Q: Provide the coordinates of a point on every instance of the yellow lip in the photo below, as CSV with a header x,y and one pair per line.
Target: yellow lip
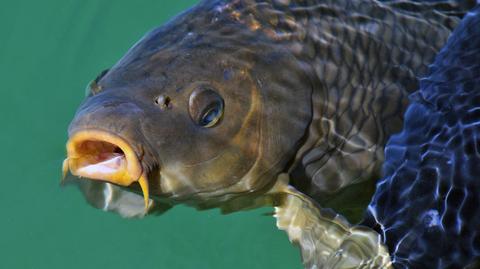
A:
x,y
105,156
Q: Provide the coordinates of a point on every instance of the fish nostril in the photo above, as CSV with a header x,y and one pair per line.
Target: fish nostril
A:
x,y
164,102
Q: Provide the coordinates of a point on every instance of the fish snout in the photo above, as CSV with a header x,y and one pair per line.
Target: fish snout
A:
x,y
100,145
100,155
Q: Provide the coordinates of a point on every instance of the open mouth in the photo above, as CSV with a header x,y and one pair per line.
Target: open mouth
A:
x,y
100,160
101,155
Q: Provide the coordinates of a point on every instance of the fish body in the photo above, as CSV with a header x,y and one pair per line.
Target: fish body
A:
x,y
214,107
314,87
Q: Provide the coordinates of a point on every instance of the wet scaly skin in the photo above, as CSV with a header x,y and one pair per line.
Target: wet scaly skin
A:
x,y
306,89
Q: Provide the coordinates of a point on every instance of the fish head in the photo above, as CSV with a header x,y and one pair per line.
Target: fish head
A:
x,y
190,122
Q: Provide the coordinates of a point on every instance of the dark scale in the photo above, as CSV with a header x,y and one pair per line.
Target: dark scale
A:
x,y
361,72
426,206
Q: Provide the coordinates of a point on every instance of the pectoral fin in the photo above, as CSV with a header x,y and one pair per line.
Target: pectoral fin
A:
x,y
326,239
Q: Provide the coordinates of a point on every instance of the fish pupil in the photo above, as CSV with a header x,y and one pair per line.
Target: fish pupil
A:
x,y
211,116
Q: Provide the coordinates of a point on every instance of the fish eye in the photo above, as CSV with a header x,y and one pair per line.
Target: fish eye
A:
x,y
205,107
210,117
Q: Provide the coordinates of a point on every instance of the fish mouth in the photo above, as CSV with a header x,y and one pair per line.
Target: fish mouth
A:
x,y
104,156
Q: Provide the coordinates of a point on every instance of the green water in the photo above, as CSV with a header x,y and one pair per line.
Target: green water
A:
x,y
49,51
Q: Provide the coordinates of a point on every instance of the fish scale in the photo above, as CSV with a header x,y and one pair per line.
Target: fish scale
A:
x,y
365,57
